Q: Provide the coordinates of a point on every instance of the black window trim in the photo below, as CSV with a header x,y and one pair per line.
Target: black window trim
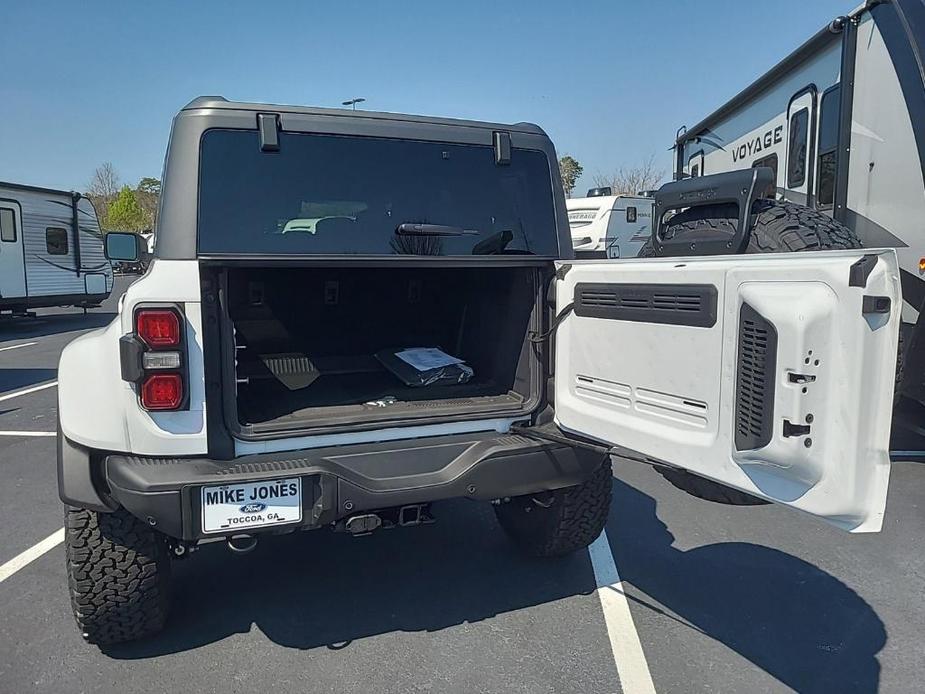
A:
x,y
64,235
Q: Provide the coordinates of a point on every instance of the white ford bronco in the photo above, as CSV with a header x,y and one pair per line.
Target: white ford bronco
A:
x,y
352,315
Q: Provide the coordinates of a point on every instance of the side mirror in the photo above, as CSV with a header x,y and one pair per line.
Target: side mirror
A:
x,y
124,246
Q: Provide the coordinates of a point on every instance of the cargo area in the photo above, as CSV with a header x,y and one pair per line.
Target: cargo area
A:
x,y
316,347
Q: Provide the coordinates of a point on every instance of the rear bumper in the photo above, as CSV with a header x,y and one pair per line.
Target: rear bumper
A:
x,y
341,481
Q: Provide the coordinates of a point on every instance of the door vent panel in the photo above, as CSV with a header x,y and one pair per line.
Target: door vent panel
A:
x,y
670,304
643,402
755,367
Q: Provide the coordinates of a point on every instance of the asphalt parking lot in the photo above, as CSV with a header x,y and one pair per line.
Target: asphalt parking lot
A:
x,y
720,599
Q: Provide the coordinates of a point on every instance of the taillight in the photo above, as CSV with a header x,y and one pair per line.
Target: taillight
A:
x,y
162,391
153,358
158,327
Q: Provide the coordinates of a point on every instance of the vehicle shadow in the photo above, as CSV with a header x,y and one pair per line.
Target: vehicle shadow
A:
x,y
801,625
790,618
52,324
907,435
14,379
328,589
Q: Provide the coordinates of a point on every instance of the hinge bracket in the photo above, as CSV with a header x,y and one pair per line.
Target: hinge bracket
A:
x,y
268,126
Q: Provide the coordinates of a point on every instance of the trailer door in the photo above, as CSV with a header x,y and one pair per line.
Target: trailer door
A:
x,y
12,264
801,130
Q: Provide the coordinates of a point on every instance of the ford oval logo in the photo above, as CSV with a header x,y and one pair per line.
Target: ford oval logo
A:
x,y
253,507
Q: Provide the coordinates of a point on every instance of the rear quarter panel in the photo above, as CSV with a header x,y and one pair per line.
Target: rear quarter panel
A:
x,y
98,409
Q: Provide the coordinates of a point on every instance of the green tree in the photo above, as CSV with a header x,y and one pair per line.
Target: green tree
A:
x,y
103,189
149,185
569,171
148,193
125,213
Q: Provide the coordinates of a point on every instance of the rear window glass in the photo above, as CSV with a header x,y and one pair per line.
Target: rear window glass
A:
x,y
328,194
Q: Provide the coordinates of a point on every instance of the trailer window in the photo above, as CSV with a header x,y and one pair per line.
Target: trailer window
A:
x,y
56,241
7,225
828,147
796,150
631,215
771,162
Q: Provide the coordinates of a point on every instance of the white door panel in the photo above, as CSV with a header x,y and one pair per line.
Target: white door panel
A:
x,y
12,265
762,372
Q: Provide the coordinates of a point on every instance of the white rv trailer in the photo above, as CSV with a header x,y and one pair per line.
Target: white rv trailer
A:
x,y
609,226
841,122
51,250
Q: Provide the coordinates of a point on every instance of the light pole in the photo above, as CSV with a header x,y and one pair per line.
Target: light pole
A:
x,y
353,102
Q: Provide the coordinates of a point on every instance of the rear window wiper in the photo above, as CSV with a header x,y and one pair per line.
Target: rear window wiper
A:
x,y
415,229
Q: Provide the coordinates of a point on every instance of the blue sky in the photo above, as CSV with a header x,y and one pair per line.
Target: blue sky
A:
x,y
83,83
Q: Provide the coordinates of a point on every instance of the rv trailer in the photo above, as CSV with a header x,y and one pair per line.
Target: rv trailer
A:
x,y
51,250
841,123
603,225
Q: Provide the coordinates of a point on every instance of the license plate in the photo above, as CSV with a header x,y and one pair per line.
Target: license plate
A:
x,y
233,507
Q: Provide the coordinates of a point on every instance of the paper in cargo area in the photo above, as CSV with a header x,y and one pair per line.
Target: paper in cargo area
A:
x,y
426,358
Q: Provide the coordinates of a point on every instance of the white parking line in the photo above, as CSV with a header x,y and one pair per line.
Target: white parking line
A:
x,y
24,344
26,391
28,433
31,554
624,640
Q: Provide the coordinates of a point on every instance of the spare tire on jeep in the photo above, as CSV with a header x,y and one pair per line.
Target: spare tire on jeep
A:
x,y
779,227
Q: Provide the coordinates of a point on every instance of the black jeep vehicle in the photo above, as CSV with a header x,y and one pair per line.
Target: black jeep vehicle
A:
x,y
351,315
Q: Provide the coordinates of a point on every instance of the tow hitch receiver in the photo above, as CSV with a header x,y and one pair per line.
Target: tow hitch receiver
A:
x,y
399,516
362,525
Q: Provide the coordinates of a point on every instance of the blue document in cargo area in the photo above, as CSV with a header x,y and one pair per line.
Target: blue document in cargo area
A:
x,y
424,366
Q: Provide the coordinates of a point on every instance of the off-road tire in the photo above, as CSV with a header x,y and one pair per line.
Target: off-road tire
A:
x,y
560,522
118,573
709,490
780,227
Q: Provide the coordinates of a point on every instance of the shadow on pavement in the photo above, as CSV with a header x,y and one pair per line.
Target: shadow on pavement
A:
x,y
796,622
908,432
793,620
14,379
325,589
51,324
